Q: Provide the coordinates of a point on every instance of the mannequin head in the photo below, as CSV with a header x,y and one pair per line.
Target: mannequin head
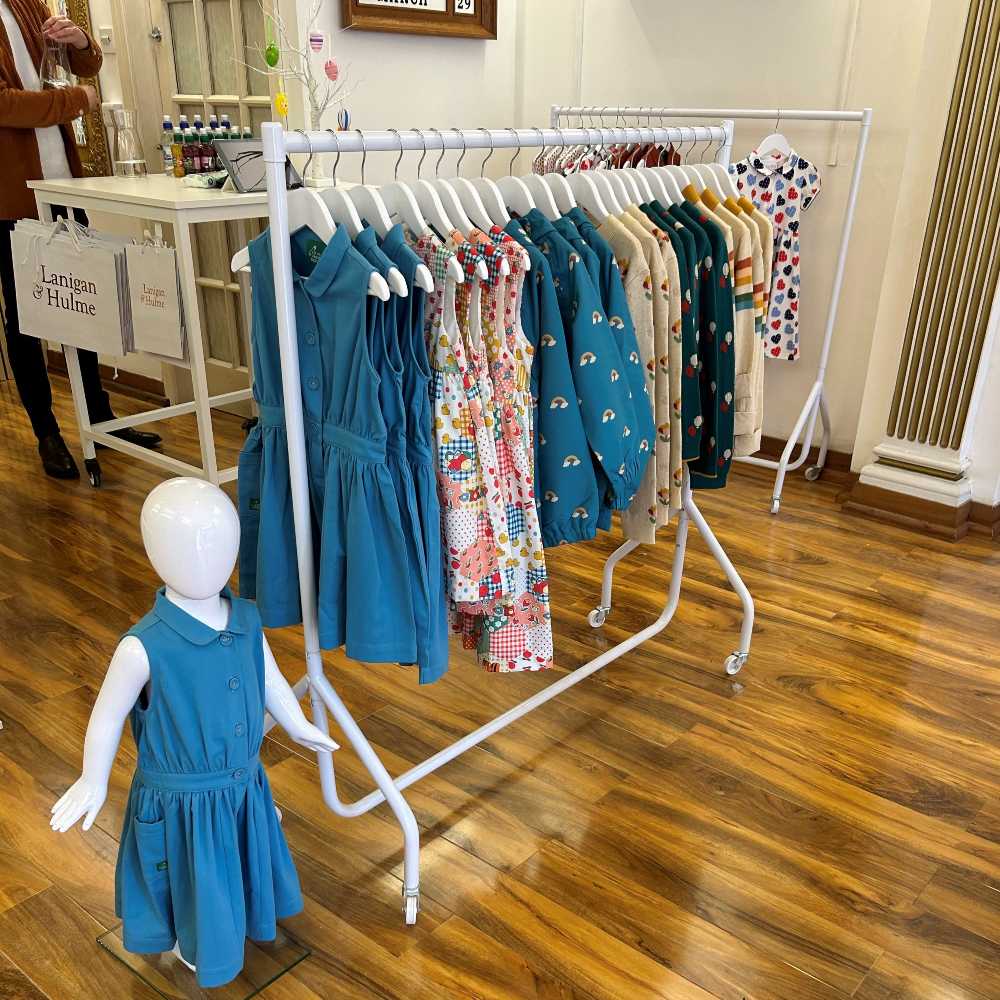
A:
x,y
191,532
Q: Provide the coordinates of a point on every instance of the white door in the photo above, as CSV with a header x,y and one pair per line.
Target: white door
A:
x,y
193,57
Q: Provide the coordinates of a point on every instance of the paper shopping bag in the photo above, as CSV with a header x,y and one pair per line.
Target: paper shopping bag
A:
x,y
154,300
68,287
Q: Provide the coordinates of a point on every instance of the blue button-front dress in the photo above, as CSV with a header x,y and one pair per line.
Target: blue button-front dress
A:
x,y
202,859
363,588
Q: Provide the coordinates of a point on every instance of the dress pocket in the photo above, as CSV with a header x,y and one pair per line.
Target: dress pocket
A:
x,y
151,845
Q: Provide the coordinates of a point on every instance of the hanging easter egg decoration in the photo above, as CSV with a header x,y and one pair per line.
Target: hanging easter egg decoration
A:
x,y
332,70
281,104
316,41
343,119
271,51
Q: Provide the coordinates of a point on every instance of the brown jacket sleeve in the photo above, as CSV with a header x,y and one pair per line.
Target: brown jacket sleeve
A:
x,y
40,108
88,61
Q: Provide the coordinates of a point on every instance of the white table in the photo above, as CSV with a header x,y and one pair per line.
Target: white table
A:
x,y
160,199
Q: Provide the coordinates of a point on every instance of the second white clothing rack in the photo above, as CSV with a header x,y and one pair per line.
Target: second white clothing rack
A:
x,y
277,144
815,402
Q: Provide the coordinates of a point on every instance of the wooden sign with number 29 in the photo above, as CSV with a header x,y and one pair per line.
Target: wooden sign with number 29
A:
x,y
455,18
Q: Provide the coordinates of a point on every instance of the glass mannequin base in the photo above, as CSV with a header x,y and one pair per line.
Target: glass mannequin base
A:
x,y
165,973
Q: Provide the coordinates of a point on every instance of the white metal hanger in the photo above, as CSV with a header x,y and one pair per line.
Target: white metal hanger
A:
x,y
541,193
587,192
488,190
449,197
560,189
775,142
469,197
513,190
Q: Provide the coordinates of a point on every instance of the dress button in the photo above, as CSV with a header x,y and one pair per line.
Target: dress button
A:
x,y
310,339
234,683
240,729
313,382
238,773
225,638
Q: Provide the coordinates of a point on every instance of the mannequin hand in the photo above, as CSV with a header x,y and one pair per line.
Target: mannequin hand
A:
x,y
307,735
83,797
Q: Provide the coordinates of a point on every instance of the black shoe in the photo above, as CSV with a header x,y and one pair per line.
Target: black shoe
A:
x,y
144,439
56,459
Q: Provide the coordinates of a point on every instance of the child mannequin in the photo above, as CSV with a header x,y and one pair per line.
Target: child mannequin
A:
x,y
203,862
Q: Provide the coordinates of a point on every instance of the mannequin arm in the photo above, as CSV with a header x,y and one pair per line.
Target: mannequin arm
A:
x,y
126,677
280,701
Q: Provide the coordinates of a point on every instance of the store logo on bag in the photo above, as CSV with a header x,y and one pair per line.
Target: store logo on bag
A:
x,y
153,297
66,291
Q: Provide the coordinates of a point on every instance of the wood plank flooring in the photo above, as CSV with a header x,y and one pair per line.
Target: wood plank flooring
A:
x,y
824,826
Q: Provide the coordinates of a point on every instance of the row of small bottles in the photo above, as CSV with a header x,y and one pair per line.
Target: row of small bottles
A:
x,y
190,149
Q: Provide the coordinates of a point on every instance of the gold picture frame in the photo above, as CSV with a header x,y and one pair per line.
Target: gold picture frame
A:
x,y
91,138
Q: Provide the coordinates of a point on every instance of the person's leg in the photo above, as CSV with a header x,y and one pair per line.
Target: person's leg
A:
x,y
98,401
27,359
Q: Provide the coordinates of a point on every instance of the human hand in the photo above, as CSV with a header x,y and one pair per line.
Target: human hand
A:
x,y
312,738
93,103
63,31
83,798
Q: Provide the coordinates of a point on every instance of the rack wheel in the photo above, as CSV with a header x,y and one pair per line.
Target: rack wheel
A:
x,y
814,472
775,505
93,467
411,907
734,663
598,617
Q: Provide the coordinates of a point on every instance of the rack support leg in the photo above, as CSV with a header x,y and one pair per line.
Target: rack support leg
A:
x,y
599,615
735,661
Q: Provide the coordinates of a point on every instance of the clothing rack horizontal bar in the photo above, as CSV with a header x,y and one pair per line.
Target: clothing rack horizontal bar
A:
x,y
421,139
644,111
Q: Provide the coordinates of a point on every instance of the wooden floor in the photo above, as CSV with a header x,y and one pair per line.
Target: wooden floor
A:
x,y
827,826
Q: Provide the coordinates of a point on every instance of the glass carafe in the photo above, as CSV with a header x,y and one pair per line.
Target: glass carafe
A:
x,y
129,161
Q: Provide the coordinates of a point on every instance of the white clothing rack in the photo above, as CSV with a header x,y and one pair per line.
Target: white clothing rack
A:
x,y
815,403
277,144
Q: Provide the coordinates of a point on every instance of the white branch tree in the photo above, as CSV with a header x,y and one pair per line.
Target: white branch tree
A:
x,y
300,63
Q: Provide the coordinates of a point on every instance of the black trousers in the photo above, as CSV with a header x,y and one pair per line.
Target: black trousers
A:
x,y
27,359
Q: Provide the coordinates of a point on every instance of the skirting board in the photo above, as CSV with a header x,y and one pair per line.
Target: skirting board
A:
x,y
127,383
925,516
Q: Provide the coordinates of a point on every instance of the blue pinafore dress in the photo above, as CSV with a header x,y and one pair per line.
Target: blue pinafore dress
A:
x,y
432,633
202,859
363,589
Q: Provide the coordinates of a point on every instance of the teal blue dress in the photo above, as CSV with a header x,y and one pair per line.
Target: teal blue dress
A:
x,y
202,858
603,392
387,357
432,623
363,585
569,501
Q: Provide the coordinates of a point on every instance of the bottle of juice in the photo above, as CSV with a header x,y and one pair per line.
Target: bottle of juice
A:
x,y
191,158
166,146
177,151
227,129
207,151
247,132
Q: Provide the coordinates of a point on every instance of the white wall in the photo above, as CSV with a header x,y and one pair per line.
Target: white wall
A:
x,y
649,52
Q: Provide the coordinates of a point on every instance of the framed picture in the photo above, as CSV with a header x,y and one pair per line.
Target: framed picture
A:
x,y
91,139
453,18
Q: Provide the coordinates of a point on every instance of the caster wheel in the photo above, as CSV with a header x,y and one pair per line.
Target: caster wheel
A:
x,y
93,467
411,907
734,663
814,472
775,505
598,617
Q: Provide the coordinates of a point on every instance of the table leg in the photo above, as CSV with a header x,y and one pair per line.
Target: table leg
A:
x,y
196,349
